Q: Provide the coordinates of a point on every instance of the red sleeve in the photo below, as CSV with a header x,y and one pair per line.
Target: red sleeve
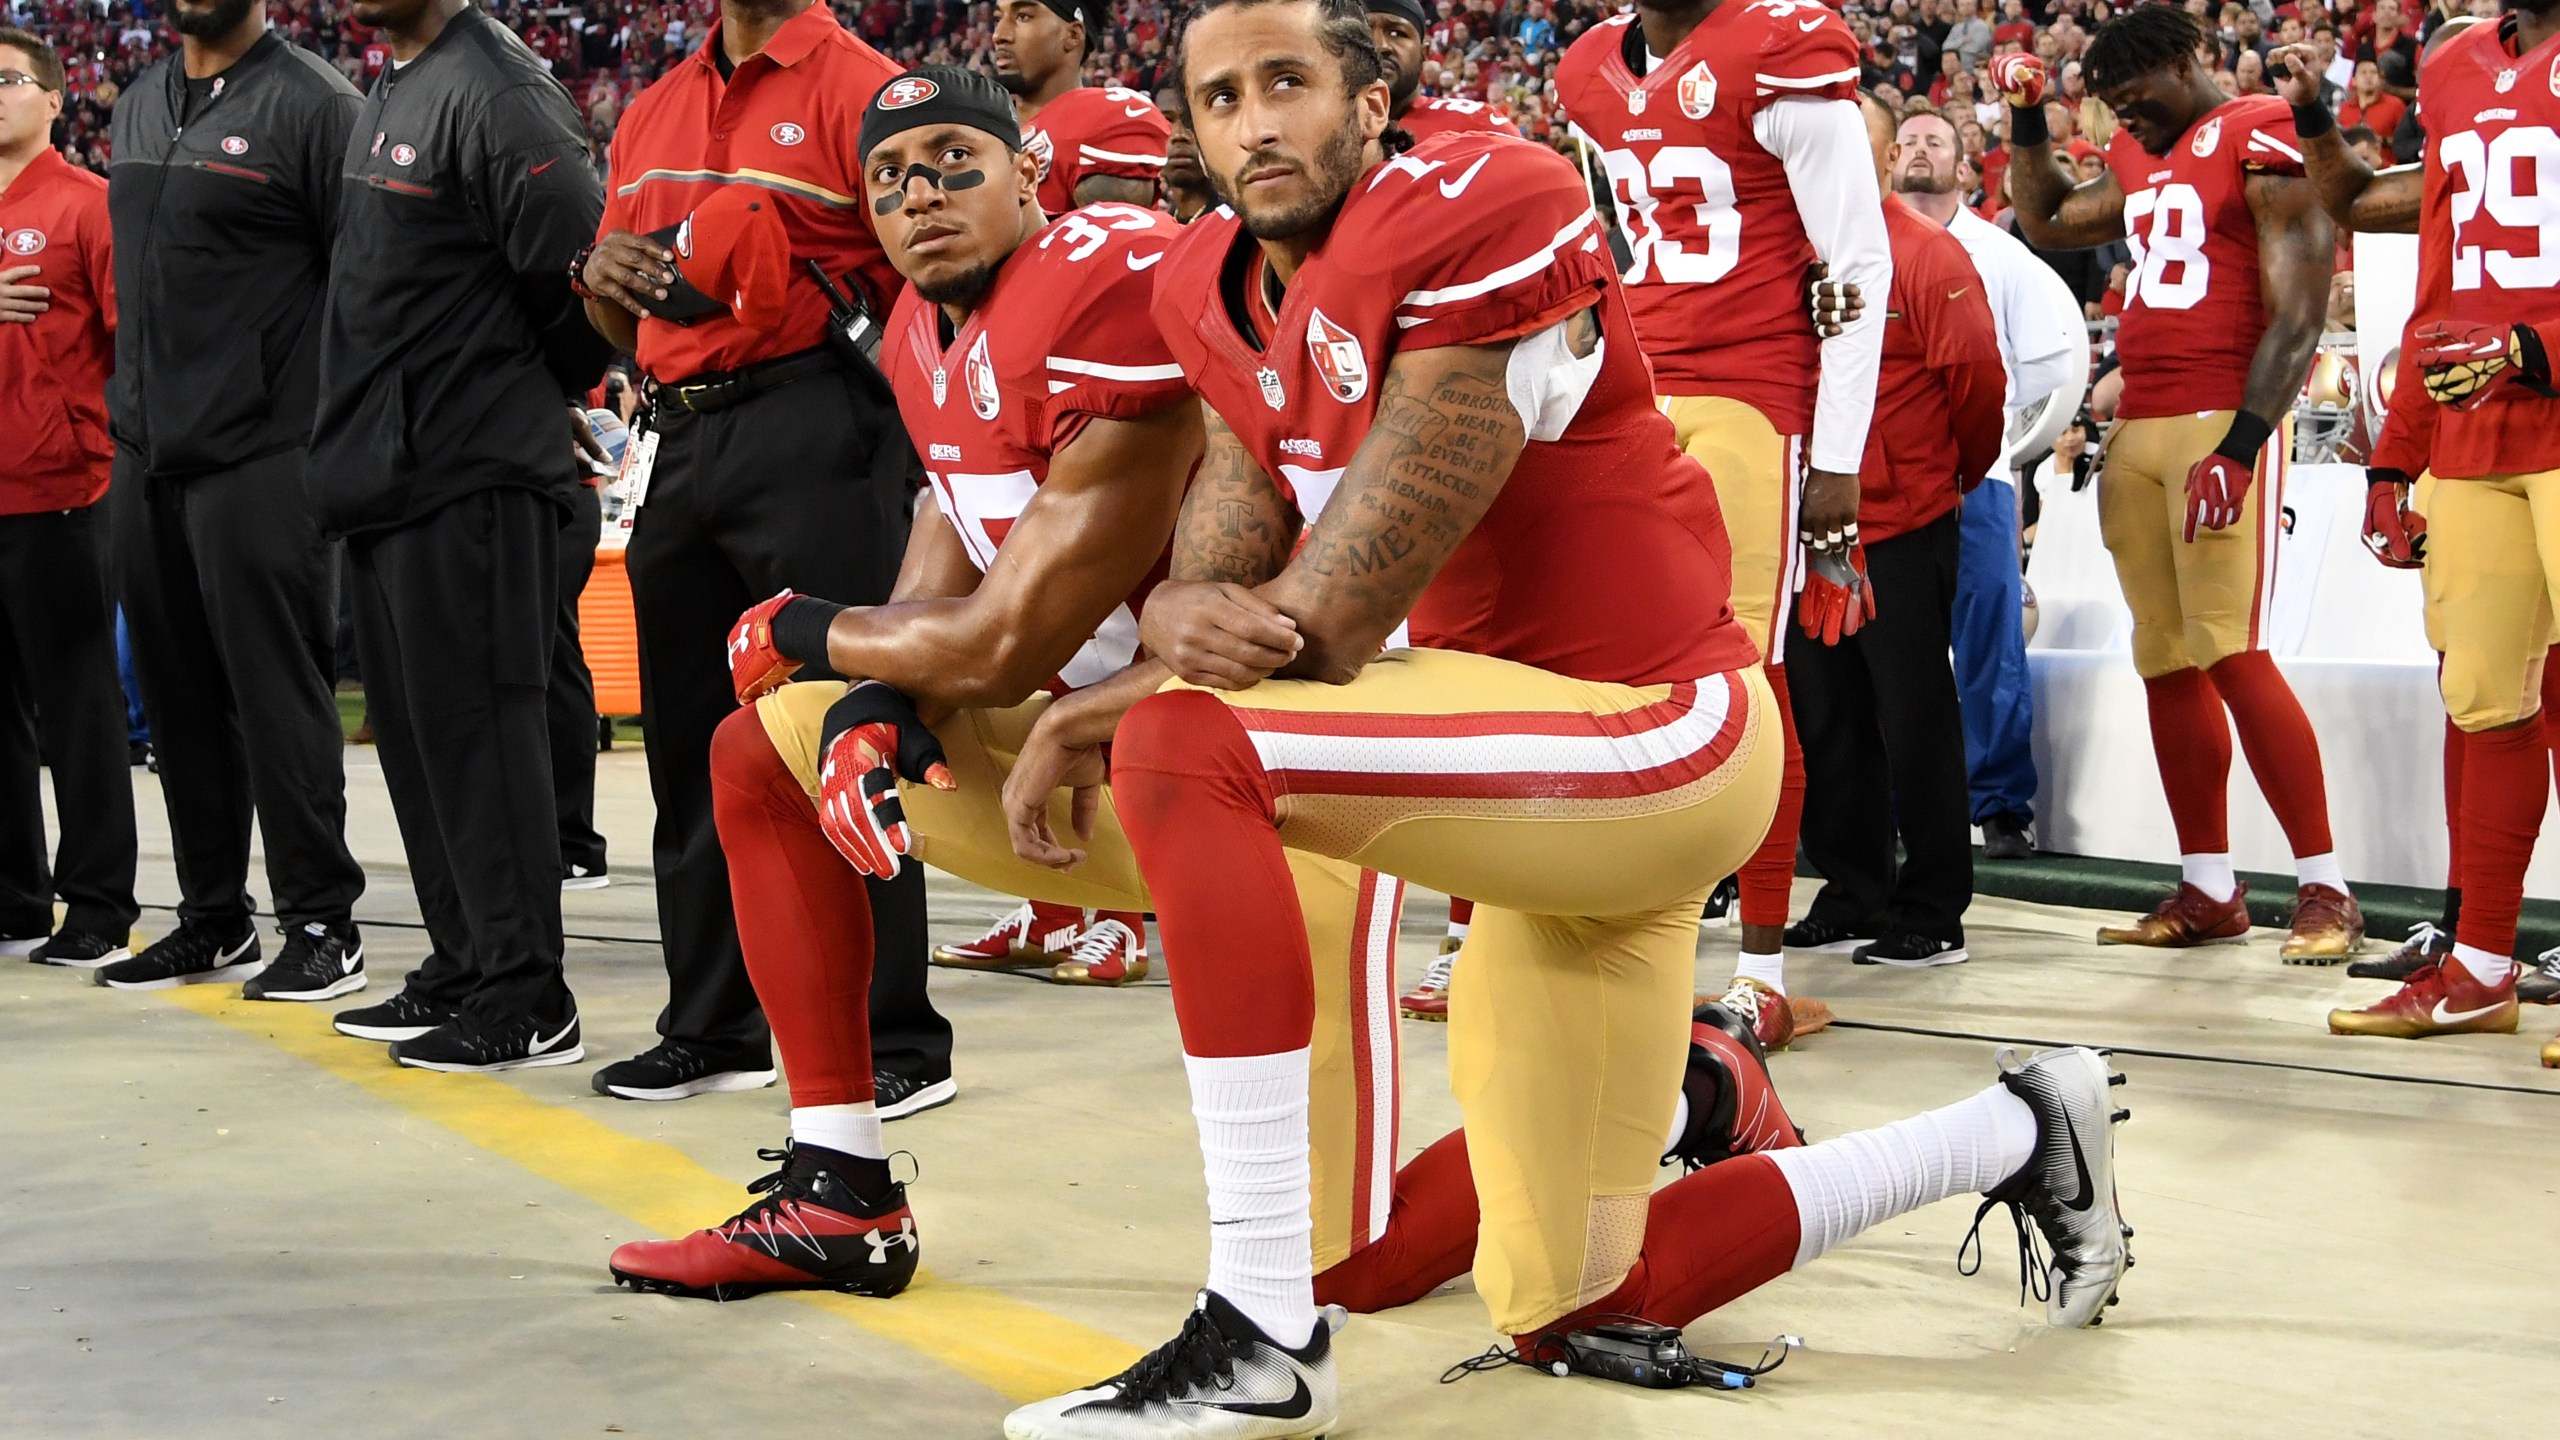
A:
x,y
2268,144
1105,357
98,252
1127,139
2407,441
1492,239
1964,348
1806,52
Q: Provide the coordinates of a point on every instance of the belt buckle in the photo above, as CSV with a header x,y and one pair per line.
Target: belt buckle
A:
x,y
690,395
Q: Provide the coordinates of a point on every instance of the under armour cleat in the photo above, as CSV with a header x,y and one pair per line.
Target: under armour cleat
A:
x,y
2189,917
1429,1000
2066,1190
2444,999
1220,1378
2425,946
1036,933
2327,927
1733,1106
1111,951
810,1231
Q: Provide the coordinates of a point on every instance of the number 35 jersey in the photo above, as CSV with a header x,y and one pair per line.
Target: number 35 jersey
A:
x,y
2489,236
1060,339
1604,556
2192,311
1718,278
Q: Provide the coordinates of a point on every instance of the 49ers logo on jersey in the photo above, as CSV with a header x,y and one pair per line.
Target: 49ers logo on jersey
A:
x,y
1336,352
979,372
1698,91
2208,135
23,242
1042,148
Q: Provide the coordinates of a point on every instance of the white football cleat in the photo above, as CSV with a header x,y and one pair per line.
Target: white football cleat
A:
x,y
1221,1378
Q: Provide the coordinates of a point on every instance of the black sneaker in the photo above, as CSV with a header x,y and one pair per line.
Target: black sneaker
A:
x,y
674,1070
2004,837
896,1097
1219,1378
1719,909
2425,946
196,953
404,1016
1811,934
317,964
469,1044
584,877
81,951
18,947
2539,982
1909,950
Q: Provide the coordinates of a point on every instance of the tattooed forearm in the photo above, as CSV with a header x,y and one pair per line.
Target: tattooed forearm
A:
x,y
1235,526
1444,441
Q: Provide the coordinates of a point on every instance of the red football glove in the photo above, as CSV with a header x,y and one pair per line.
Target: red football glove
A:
x,y
2020,79
2218,483
871,738
2396,534
2462,363
756,668
1837,598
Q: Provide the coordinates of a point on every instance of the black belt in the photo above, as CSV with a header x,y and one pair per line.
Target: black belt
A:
x,y
720,389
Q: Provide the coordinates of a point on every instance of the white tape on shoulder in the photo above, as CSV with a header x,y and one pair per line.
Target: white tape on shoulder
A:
x,y
1548,382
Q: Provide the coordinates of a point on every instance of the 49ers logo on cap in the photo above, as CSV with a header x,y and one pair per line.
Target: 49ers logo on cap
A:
x,y
23,242
908,90
980,372
1336,352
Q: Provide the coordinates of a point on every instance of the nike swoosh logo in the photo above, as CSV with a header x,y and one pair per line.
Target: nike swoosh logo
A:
x,y
540,1044
2456,1017
1139,112
1145,262
1958,291
1295,1407
235,952
1452,189
2080,1162
545,165
1809,26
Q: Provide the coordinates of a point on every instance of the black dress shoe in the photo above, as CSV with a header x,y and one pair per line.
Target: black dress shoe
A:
x,y
2004,837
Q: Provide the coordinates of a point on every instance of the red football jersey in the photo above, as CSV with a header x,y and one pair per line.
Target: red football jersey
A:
x,y
1939,386
2489,234
1090,131
2192,311
1604,557
1717,284
1062,337
1431,115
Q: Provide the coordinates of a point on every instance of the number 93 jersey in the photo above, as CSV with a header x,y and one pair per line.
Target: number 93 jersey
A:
x,y
1718,279
2192,311
2489,236
1061,338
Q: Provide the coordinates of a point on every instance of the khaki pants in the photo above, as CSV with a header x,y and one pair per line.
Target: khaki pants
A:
x,y
2493,552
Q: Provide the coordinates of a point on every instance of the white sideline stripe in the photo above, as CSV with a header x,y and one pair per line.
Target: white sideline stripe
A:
x,y
1069,366
1692,731
1380,1078
2261,137
1092,154
1519,270
1806,82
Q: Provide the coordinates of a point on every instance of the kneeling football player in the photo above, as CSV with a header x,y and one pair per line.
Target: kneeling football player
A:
x,y
1427,408
1058,435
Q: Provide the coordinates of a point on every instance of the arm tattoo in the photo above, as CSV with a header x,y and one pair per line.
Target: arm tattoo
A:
x,y
1235,524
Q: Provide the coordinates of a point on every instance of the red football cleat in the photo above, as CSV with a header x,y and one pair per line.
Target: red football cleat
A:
x,y
1111,951
1036,933
1771,1018
2189,917
1733,1105
2445,999
1429,999
809,1232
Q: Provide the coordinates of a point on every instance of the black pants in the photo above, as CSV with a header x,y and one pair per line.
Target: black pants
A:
x,y
805,487
1884,749
455,614
62,706
231,599
571,703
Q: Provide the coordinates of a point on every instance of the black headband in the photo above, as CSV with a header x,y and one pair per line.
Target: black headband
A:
x,y
939,95
1076,12
1406,10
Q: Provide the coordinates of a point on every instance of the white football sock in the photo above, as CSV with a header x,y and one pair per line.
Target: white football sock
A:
x,y
1769,970
848,1129
2320,870
1679,1123
1252,1111
1458,930
1843,1186
2486,968
2209,873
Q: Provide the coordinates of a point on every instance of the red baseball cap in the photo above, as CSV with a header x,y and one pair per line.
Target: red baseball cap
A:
x,y
734,249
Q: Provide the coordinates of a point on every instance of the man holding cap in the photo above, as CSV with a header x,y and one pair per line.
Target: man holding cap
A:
x,y
779,463
1090,144
1397,26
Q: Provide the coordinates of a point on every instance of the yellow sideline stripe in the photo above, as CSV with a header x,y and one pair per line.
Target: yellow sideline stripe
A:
x,y
1020,1351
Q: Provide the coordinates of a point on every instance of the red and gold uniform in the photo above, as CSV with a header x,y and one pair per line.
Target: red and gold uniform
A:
x,y
1094,131
1062,339
1431,115
2192,319
1583,743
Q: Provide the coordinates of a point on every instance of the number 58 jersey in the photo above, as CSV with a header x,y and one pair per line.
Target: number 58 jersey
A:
x,y
1717,281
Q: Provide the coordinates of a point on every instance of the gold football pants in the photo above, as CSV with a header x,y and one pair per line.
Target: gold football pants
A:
x,y
2493,555
1756,472
2197,602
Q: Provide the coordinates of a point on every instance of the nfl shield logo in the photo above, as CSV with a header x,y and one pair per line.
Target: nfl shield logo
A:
x,y
1336,352
2506,81
1272,395
1698,92
941,386
1635,101
980,372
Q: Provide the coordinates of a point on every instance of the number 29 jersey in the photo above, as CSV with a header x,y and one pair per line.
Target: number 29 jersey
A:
x,y
2192,308
2489,233
1717,282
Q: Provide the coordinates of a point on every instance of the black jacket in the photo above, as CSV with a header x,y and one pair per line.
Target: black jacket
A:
x,y
468,192
222,255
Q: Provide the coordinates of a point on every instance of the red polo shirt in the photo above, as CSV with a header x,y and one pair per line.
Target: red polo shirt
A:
x,y
1939,386
53,372
788,121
